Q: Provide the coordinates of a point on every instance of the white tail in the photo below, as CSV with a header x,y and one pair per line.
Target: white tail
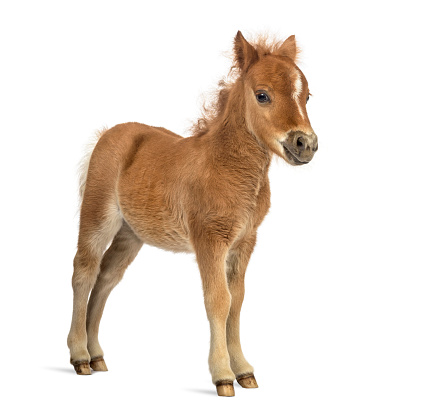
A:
x,y
84,162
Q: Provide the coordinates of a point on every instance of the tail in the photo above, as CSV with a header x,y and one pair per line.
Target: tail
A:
x,y
84,162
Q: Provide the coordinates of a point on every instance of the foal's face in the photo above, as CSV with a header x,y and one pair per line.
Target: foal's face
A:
x,y
276,93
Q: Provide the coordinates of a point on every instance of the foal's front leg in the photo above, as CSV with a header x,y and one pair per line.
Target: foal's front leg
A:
x,y
237,262
211,259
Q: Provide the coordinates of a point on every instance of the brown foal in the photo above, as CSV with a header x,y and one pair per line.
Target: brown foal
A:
x,y
205,194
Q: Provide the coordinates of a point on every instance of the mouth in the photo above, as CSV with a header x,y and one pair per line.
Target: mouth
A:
x,y
292,158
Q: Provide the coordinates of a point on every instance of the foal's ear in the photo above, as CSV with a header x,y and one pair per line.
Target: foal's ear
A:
x,y
245,54
288,49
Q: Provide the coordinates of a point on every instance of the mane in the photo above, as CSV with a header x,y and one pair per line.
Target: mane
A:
x,y
213,109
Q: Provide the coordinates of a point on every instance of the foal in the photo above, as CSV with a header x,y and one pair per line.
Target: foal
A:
x,y
205,194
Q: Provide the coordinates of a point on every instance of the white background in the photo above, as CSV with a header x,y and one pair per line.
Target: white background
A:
x,y
332,316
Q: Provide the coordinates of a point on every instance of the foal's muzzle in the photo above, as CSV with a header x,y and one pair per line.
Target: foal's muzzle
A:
x,y
300,147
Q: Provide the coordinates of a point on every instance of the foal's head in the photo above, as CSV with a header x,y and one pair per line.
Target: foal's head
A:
x,y
276,93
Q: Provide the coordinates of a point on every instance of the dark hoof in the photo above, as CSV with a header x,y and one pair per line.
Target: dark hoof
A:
x,y
247,381
225,388
98,364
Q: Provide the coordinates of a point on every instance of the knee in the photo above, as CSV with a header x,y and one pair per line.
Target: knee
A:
x,y
217,304
85,270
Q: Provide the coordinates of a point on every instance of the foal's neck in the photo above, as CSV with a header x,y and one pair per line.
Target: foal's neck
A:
x,y
233,142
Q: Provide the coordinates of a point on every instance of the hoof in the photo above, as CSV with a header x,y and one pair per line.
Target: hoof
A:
x,y
82,368
98,365
225,389
247,381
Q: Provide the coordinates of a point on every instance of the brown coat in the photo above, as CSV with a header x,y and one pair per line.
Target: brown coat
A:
x,y
205,194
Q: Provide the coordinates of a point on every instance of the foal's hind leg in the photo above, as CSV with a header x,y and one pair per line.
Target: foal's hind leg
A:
x,y
237,262
118,257
96,231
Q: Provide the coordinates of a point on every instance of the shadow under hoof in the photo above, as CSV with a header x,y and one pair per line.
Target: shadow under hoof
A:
x,y
60,369
202,391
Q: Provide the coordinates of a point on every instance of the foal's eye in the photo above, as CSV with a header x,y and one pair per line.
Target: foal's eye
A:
x,y
262,97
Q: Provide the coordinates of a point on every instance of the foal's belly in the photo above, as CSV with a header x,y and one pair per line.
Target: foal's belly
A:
x,y
159,227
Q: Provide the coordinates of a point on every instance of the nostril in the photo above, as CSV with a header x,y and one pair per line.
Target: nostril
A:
x,y
301,143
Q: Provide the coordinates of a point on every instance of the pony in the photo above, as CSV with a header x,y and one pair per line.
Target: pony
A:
x,y
206,194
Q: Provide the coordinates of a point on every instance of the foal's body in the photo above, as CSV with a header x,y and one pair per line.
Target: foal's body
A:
x,y
166,186
205,194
